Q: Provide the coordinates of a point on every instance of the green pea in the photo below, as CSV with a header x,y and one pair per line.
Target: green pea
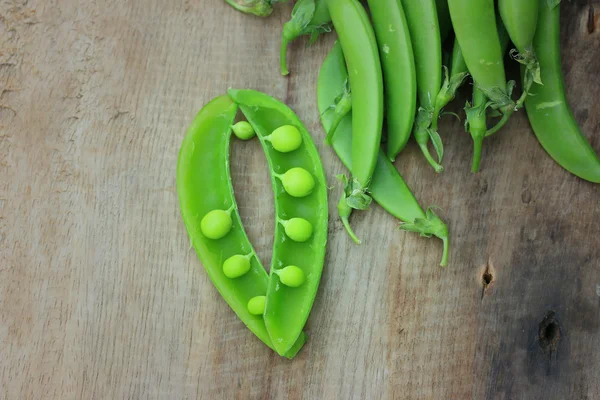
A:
x,y
291,276
236,266
298,229
243,130
256,305
216,224
286,138
298,182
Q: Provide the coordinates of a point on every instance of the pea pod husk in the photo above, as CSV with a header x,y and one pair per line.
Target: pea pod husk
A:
x,y
399,72
547,108
361,52
424,28
387,188
287,309
203,185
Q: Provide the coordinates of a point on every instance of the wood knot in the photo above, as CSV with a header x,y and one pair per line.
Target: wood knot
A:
x,y
549,333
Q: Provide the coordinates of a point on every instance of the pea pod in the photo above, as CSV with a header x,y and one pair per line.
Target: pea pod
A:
x,y
474,23
212,220
477,113
357,38
520,19
387,188
309,17
424,30
548,109
399,72
300,193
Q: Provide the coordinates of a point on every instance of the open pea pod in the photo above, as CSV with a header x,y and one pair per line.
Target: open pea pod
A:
x,y
300,192
212,220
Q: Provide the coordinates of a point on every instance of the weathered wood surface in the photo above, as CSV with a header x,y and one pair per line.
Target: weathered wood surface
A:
x,y
101,296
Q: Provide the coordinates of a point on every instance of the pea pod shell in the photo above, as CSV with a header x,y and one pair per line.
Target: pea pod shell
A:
x,y
422,19
387,188
358,41
203,185
287,309
474,23
547,107
399,73
520,19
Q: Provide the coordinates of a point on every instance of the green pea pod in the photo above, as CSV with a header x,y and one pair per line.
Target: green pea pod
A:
x,y
399,73
474,23
287,308
387,188
309,17
204,186
477,113
547,106
357,38
422,19
260,8
520,19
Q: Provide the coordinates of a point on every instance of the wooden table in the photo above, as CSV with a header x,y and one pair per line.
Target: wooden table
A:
x,y
102,298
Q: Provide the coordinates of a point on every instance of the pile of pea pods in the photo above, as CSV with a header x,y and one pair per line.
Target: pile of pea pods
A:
x,y
385,80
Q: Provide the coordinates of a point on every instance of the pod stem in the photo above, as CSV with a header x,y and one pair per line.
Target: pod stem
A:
x,y
477,147
436,166
430,226
423,133
283,55
343,105
344,211
500,124
446,251
334,125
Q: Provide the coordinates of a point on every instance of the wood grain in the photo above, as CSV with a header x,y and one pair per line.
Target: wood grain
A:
x,y
102,298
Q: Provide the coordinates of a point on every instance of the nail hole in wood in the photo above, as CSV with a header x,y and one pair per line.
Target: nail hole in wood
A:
x,y
549,333
486,278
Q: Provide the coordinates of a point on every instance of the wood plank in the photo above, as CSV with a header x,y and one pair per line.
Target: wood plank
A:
x,y
103,298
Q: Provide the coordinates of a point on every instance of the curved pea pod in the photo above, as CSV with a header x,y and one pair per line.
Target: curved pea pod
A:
x,y
357,38
211,218
309,17
287,306
474,23
388,188
260,8
423,24
548,109
520,19
477,112
399,73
